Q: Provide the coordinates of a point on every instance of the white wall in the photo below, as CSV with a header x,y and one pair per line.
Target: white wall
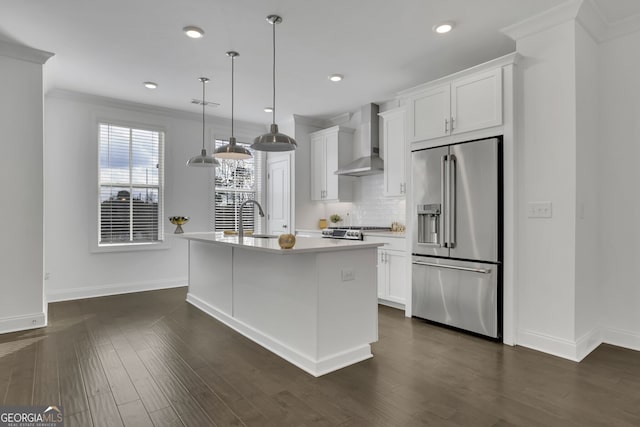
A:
x,y
368,206
21,254
75,270
546,171
619,221
578,145
588,298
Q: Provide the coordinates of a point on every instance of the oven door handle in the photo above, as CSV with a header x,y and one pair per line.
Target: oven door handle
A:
x,y
454,267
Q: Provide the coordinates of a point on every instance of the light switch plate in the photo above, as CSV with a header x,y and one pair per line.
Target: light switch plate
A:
x,y
539,210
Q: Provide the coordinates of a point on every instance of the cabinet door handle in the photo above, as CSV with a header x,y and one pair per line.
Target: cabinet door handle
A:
x,y
446,125
452,123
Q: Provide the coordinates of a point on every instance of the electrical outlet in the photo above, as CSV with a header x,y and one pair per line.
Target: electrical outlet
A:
x,y
348,274
539,210
47,276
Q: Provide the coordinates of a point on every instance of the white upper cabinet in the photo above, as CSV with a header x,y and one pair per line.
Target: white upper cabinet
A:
x,y
462,105
429,113
476,102
330,149
394,152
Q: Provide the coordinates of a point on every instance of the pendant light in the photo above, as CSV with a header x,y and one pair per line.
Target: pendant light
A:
x,y
274,140
232,150
202,160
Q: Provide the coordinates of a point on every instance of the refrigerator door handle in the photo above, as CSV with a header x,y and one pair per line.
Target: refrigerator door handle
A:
x,y
454,267
444,209
453,170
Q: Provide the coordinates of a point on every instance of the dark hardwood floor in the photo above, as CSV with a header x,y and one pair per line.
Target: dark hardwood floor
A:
x,y
150,359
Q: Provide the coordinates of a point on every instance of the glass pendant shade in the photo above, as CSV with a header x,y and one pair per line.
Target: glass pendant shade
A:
x,y
232,150
274,140
202,160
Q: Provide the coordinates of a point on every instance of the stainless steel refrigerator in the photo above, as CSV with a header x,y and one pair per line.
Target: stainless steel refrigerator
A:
x,y
457,235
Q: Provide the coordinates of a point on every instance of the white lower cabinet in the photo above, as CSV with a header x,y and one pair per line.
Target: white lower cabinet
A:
x,y
392,270
392,276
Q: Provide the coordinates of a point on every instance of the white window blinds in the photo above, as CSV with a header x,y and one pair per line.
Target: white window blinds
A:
x,y
130,199
235,182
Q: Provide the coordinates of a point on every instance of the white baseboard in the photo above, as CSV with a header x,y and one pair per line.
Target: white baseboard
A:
x,y
112,289
21,323
315,367
622,338
391,304
583,346
548,344
588,342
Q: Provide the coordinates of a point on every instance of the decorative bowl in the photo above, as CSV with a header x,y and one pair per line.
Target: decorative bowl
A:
x,y
179,221
286,241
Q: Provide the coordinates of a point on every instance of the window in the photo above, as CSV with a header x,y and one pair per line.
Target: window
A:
x,y
235,182
130,175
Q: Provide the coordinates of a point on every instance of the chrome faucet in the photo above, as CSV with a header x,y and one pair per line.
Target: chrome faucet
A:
x,y
240,226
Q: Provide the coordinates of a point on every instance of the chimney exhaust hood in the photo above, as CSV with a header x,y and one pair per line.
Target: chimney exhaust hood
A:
x,y
370,163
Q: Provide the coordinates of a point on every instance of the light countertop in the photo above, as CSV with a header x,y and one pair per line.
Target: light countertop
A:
x,y
397,234
303,244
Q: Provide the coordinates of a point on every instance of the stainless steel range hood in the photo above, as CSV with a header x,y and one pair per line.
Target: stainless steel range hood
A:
x,y
370,163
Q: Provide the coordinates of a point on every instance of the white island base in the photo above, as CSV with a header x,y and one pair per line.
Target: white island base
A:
x,y
314,305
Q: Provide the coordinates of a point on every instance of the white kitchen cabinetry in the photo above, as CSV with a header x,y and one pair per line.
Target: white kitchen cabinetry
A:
x,y
394,152
462,105
393,283
330,149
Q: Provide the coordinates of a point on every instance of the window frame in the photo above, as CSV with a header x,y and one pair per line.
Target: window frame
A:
x,y
258,190
162,242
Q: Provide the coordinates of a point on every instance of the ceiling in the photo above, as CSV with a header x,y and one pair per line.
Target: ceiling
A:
x,y
109,48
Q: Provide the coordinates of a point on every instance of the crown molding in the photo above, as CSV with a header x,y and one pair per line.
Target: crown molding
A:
x,y
103,101
311,121
586,12
544,20
24,53
341,119
603,30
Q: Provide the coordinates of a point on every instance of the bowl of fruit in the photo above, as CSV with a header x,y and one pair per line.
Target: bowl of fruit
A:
x,y
179,221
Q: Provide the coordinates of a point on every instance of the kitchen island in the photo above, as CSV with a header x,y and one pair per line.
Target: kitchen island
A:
x,y
314,305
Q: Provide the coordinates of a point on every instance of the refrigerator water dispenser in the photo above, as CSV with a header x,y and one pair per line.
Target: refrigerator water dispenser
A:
x,y
429,224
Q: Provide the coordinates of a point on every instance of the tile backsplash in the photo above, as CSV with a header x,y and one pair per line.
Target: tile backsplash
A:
x,y
369,206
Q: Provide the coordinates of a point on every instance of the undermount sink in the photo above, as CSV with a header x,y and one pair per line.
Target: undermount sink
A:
x,y
263,236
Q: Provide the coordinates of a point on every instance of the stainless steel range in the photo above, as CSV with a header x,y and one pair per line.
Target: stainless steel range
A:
x,y
350,233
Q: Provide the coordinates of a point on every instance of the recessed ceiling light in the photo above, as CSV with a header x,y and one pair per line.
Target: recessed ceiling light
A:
x,y
268,109
150,85
443,28
193,32
336,77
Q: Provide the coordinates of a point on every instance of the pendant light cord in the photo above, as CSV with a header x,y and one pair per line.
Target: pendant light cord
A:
x,y
274,72
233,60
204,82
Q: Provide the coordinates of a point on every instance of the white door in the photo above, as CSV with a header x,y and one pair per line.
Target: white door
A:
x,y
394,154
278,192
429,114
331,166
396,264
318,168
476,101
